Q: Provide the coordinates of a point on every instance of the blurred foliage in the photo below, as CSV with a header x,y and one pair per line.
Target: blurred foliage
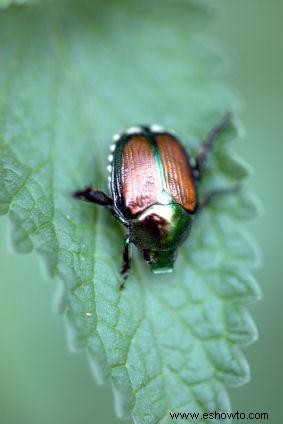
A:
x,y
5,3
254,31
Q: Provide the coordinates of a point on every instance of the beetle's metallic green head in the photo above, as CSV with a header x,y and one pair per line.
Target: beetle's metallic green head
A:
x,y
161,261
158,232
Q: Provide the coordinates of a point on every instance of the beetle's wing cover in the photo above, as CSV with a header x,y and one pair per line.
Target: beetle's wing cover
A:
x,y
140,177
176,167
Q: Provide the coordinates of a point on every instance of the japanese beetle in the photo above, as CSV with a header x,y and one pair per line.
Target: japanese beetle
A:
x,y
153,191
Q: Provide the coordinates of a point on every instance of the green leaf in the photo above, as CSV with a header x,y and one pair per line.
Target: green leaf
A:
x,y
72,74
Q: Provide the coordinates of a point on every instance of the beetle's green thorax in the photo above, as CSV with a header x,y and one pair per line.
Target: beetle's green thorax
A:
x,y
158,231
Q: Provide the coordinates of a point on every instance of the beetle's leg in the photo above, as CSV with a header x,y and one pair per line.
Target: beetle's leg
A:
x,y
208,145
210,197
126,265
94,196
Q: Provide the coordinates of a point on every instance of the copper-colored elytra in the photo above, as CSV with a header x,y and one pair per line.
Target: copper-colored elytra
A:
x,y
141,182
179,181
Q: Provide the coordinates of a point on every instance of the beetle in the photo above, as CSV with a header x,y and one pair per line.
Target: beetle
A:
x,y
153,187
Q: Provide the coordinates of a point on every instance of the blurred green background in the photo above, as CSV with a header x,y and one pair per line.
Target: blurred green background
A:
x,y
40,381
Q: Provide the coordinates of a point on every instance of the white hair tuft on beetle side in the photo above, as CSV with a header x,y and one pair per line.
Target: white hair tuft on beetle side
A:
x,y
116,137
157,128
133,130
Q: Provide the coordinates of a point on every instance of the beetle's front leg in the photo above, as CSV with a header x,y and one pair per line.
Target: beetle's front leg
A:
x,y
208,145
94,196
126,265
210,197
